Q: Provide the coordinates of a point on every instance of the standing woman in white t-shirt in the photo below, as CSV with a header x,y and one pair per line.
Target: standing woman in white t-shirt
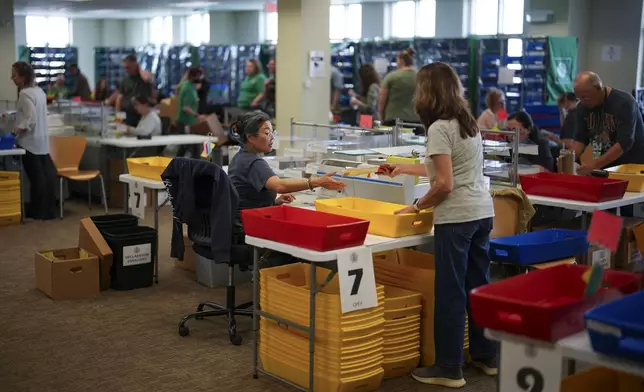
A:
x,y
463,214
31,135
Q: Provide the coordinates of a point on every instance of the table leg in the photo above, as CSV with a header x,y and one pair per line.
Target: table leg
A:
x,y
313,291
255,309
584,221
22,192
125,184
155,196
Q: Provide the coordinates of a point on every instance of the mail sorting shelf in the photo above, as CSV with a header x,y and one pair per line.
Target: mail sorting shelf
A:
x,y
375,243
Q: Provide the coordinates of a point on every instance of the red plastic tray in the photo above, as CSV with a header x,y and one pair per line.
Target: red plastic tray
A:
x,y
571,187
546,304
304,228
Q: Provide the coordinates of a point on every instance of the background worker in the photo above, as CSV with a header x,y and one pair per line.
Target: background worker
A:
x,y
136,82
609,122
397,93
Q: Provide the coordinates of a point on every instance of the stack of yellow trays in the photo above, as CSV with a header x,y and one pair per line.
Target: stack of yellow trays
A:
x,y
348,347
402,331
9,198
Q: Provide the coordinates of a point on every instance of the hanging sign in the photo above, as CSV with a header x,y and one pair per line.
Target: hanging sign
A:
x,y
137,199
357,279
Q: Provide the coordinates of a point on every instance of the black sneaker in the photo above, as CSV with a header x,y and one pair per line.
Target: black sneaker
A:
x,y
445,377
488,366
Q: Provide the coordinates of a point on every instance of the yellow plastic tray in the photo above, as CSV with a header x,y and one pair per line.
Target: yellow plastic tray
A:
x,y
399,367
150,168
632,173
381,216
406,160
10,219
9,176
299,375
403,313
397,298
599,379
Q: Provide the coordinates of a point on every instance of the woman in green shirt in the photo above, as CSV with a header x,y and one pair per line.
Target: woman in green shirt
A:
x,y
397,93
187,109
252,87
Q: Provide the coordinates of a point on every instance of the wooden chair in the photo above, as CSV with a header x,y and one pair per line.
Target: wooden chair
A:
x,y
67,152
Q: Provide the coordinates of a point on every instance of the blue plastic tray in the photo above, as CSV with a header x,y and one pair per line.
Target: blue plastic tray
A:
x,y
538,246
617,328
7,141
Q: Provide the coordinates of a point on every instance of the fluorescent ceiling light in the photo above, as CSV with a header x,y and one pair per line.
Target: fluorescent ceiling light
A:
x,y
195,4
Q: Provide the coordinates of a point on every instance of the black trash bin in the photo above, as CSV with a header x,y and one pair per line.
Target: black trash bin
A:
x,y
134,250
114,221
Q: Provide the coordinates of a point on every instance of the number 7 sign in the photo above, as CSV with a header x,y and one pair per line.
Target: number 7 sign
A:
x,y
357,279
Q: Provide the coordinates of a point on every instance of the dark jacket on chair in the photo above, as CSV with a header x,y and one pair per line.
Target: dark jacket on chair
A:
x,y
193,184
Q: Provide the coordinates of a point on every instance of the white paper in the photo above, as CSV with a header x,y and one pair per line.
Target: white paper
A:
x,y
506,76
611,53
316,64
601,257
137,254
381,65
137,200
530,367
357,279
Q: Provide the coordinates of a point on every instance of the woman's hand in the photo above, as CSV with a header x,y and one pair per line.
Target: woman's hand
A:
x,y
284,199
354,102
396,169
407,210
327,182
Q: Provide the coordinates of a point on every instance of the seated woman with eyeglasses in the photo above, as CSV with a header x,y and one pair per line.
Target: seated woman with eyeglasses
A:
x,y
256,183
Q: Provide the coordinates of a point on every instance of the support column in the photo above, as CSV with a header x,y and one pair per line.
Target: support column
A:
x,y
452,18
8,90
579,26
303,26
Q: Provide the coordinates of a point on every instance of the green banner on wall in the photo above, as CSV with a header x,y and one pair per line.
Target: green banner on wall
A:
x,y
562,66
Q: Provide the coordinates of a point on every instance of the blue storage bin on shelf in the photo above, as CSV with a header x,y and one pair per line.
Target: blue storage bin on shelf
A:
x,y
7,141
538,246
617,328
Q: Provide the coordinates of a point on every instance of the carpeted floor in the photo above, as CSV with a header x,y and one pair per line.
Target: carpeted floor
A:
x,y
124,341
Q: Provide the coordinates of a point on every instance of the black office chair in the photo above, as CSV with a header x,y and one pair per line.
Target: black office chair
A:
x,y
240,255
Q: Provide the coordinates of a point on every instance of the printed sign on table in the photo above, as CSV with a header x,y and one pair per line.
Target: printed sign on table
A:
x,y
357,279
530,368
137,200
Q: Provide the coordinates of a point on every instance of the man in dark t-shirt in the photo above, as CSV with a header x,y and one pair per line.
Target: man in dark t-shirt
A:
x,y
609,122
136,82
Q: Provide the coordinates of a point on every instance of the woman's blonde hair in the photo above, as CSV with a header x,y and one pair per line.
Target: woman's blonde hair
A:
x,y
257,66
439,96
493,96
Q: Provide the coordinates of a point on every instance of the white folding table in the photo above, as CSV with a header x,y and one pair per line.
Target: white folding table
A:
x,y
125,144
375,243
18,152
543,359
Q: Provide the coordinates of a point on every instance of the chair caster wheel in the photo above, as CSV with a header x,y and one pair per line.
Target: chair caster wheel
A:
x,y
184,330
236,340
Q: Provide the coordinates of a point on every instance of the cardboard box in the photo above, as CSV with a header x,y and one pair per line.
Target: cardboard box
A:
x,y
91,239
67,274
211,126
506,217
628,252
188,262
168,108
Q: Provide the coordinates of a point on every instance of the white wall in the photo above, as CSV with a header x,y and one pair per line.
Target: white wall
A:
x,y
222,28
611,25
20,30
136,32
452,18
373,20
87,34
559,27
113,32
247,26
